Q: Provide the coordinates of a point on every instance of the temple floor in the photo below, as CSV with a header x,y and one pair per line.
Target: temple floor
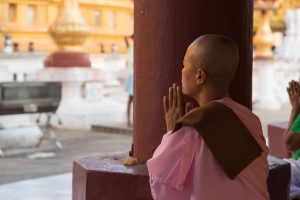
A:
x,y
48,188
271,116
22,178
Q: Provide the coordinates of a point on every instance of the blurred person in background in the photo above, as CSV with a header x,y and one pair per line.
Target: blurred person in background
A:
x,y
129,81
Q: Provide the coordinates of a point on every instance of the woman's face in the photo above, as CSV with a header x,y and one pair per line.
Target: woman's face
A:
x,y
188,77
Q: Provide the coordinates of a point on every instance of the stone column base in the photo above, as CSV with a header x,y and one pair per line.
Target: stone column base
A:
x,y
105,177
279,179
276,142
67,59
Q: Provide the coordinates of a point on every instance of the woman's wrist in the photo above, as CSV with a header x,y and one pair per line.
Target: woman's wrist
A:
x,y
295,109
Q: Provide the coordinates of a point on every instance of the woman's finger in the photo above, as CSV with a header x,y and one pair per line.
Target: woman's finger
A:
x,y
170,97
289,91
179,96
174,95
292,85
296,88
165,103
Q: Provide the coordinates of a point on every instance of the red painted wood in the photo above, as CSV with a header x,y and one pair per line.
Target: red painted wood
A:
x,y
163,31
104,177
276,142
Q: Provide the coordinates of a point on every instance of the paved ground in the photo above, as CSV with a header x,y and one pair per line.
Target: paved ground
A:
x,y
58,187
78,143
19,175
271,116
75,144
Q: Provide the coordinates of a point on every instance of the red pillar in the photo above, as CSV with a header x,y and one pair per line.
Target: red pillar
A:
x,y
163,31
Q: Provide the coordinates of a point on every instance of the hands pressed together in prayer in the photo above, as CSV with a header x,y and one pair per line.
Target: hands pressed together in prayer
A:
x,y
174,106
294,94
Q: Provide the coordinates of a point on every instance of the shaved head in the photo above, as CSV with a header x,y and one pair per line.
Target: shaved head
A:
x,y
217,56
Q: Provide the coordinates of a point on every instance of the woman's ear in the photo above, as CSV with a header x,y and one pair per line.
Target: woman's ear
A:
x,y
201,76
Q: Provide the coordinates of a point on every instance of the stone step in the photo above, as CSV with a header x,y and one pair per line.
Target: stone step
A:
x,y
116,129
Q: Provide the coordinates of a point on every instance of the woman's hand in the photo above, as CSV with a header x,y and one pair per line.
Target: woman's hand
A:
x,y
174,106
294,95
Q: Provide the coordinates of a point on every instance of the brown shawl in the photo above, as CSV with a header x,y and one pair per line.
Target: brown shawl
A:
x,y
229,140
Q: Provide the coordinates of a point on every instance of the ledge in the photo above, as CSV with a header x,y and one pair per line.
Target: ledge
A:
x,y
104,177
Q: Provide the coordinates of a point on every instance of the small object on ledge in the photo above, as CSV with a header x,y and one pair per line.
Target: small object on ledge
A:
x,y
130,161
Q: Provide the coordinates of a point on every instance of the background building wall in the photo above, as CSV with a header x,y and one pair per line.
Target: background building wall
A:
x,y
28,21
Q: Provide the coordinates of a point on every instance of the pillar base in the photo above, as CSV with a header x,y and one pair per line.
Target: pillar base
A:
x,y
279,179
276,142
67,59
105,177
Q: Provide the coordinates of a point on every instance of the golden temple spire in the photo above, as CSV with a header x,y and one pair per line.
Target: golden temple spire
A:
x,y
263,39
295,3
69,30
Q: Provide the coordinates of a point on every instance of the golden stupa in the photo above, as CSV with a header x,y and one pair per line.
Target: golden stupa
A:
x,y
263,39
277,18
69,30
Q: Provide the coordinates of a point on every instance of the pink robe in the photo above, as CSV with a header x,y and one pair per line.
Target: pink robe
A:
x,y
183,167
